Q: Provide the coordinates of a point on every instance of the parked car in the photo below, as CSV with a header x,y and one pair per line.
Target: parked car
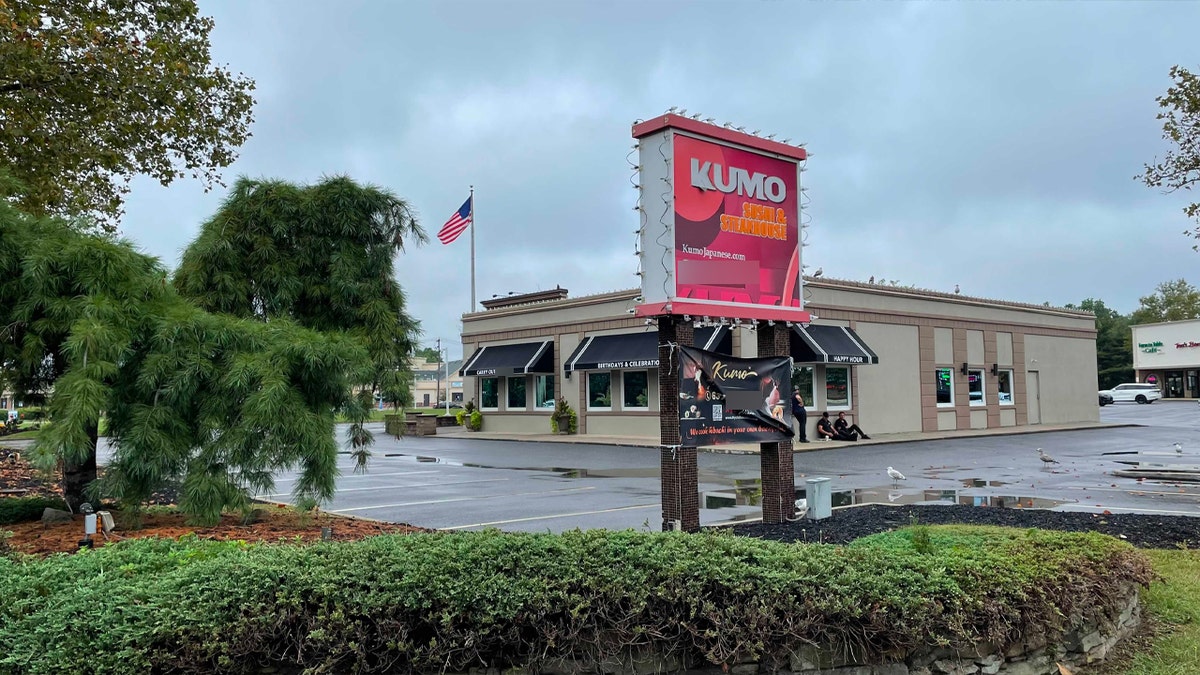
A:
x,y
1105,398
1134,393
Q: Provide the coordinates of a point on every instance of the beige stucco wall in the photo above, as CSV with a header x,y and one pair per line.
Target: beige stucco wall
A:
x,y
1066,377
1175,352
975,347
888,394
1004,348
530,423
623,425
943,345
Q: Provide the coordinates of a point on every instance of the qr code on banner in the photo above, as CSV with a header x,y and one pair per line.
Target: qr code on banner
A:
x,y
718,412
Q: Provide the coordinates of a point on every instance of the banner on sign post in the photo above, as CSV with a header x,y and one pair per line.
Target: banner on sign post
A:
x,y
725,399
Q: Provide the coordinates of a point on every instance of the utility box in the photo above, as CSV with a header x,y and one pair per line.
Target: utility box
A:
x,y
819,494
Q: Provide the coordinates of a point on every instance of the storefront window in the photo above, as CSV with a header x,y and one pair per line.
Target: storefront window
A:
x,y
599,391
489,393
837,388
802,379
636,390
975,387
945,387
543,391
516,393
1004,387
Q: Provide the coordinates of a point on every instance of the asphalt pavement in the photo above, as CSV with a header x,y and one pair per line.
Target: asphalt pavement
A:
x,y
465,483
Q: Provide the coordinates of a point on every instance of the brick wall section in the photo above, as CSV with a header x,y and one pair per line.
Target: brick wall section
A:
x,y
929,409
775,459
991,390
1019,373
677,465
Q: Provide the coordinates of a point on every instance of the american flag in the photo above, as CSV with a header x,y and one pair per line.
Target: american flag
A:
x,y
457,223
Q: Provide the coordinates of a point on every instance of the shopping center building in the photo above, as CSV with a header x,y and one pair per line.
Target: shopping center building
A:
x,y
894,359
1168,355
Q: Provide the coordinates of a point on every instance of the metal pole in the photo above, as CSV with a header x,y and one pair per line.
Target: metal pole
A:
x,y
446,365
472,248
437,391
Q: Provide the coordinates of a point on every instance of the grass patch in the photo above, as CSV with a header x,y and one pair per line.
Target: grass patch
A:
x,y
1174,603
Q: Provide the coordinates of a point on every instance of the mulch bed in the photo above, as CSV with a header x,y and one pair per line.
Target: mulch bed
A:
x,y
270,522
846,525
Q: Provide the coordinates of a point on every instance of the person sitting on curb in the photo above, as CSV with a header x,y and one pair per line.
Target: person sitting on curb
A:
x,y
847,429
827,432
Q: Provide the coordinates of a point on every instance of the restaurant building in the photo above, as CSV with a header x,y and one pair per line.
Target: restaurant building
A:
x,y
894,359
1168,355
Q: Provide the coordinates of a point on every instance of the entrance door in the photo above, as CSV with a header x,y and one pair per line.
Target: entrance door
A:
x,y
1174,384
1034,397
1192,384
426,401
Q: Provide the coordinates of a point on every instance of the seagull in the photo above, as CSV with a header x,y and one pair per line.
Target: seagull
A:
x,y
956,289
895,475
819,272
1046,459
1179,448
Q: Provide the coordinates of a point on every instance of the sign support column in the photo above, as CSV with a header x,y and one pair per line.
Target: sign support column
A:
x,y
677,464
776,461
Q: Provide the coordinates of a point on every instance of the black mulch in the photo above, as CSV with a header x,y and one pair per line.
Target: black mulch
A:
x,y
846,525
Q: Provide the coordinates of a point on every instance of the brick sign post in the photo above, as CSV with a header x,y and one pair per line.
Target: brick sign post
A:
x,y
677,465
775,459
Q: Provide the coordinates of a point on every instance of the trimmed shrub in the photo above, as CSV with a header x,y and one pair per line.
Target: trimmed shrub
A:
x,y
24,509
447,602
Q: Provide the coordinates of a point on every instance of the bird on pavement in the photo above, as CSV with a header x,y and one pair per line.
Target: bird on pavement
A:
x,y
895,475
1179,448
1046,459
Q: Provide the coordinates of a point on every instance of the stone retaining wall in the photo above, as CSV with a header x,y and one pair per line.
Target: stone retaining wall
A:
x,y
1083,643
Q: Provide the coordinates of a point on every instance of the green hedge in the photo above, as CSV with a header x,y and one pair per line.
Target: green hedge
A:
x,y
24,509
452,601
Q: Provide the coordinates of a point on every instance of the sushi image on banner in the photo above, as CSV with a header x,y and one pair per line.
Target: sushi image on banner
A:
x,y
726,399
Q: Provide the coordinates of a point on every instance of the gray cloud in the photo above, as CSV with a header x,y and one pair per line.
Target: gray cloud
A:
x,y
988,145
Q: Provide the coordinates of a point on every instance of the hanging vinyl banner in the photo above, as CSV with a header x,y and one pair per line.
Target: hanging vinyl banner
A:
x,y
725,399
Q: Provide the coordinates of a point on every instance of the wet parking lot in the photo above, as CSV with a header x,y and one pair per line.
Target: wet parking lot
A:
x,y
463,483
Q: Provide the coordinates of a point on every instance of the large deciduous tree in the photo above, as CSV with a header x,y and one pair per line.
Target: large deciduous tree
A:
x,y
1171,301
94,92
1180,167
321,255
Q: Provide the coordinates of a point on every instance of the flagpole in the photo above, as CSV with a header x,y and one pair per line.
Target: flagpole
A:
x,y
472,199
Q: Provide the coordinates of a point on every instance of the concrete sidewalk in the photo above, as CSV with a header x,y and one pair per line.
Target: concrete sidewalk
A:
x,y
752,448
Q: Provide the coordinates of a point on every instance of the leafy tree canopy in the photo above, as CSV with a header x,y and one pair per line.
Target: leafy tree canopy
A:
x,y
320,255
214,401
94,92
1114,358
430,354
1171,301
1180,167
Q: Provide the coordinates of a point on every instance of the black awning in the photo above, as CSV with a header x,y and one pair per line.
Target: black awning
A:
x,y
638,350
520,359
830,344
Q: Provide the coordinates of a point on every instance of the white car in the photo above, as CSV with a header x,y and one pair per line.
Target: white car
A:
x,y
1134,392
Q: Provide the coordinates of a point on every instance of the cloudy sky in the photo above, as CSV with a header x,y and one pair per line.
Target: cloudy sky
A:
x,y
990,145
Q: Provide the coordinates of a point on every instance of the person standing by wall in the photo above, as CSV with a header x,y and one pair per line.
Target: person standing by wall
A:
x,y
801,415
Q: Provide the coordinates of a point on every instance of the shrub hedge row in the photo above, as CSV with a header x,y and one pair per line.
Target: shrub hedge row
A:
x,y
24,509
452,601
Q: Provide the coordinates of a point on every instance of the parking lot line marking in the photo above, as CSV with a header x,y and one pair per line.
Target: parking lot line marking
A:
x,y
461,499
556,515
361,475
409,485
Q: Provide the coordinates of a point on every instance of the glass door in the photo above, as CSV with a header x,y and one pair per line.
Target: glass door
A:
x,y
1174,384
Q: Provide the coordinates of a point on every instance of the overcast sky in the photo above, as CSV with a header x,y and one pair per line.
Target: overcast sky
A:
x,y
989,145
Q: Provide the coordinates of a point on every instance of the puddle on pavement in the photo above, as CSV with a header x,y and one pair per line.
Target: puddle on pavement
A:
x,y
748,491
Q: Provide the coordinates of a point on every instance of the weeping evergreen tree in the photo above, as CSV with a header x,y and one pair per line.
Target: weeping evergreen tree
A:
x,y
322,256
216,402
